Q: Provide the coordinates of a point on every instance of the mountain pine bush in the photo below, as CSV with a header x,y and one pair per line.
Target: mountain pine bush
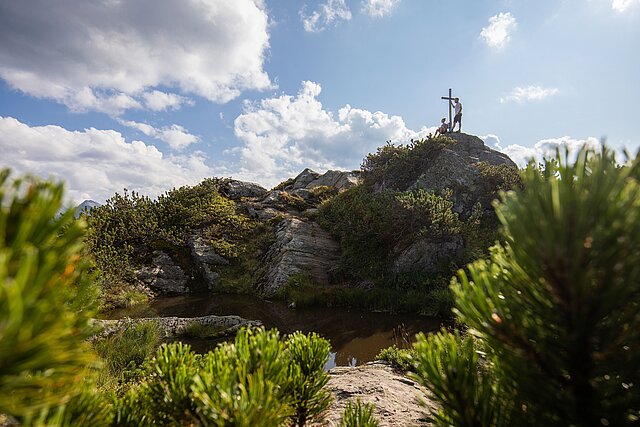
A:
x,y
46,298
553,315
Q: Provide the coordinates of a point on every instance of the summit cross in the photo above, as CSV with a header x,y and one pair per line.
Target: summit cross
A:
x,y
449,98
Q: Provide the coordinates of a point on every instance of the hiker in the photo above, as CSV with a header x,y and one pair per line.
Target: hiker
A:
x,y
458,117
444,127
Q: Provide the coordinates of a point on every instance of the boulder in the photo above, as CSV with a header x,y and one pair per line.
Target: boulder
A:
x,y
427,255
204,257
235,190
457,167
301,247
309,179
177,326
164,275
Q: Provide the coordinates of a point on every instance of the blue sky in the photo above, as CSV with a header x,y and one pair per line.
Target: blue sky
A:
x,y
152,94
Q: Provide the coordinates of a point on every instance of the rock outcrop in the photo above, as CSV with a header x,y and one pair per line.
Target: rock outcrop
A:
x,y
427,256
164,275
301,247
177,326
204,259
309,179
397,398
457,167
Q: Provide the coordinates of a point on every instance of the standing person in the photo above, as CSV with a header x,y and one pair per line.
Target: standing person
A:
x,y
458,117
444,127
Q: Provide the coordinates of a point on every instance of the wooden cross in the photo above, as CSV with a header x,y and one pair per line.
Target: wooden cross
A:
x,y
449,98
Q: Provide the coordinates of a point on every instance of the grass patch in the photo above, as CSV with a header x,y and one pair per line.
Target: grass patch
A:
x,y
429,297
125,351
400,359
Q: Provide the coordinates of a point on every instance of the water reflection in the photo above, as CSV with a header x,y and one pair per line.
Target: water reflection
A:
x,y
356,336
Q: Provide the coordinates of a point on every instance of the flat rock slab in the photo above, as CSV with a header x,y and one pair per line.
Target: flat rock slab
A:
x,y
396,397
176,326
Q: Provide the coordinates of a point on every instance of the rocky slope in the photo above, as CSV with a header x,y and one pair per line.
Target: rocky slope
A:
x,y
300,246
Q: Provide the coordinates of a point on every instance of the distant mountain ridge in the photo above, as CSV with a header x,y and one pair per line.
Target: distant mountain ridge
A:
x,y
86,206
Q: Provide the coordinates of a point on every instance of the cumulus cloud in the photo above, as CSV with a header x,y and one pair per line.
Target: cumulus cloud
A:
x,y
529,93
546,148
498,33
327,14
160,101
175,136
94,163
113,55
379,8
622,5
285,134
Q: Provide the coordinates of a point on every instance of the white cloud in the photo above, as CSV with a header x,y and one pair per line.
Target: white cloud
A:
x,y
160,101
546,148
113,55
622,5
498,33
327,14
94,163
379,8
529,93
283,135
175,136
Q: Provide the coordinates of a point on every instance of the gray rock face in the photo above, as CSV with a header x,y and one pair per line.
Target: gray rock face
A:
x,y
239,189
308,179
456,167
426,255
176,326
204,257
164,276
301,247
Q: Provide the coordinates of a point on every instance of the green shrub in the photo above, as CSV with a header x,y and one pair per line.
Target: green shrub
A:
x,y
46,297
397,167
448,365
306,390
166,395
127,228
555,309
358,414
400,359
242,384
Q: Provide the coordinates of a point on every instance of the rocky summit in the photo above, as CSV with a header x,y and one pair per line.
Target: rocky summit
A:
x,y
299,246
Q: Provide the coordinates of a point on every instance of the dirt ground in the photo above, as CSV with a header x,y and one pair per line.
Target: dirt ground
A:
x,y
396,397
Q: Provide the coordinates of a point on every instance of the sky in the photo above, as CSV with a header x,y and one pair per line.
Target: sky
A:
x,y
149,95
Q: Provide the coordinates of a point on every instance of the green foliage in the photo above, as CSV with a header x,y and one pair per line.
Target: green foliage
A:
x,y
448,365
400,359
555,309
127,228
429,214
363,222
88,408
323,192
358,414
396,167
46,297
307,377
166,396
258,380
125,350
292,201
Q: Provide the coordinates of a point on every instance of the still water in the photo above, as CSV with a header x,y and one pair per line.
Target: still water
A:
x,y
356,336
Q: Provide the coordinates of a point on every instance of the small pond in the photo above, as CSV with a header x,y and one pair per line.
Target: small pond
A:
x,y
356,336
